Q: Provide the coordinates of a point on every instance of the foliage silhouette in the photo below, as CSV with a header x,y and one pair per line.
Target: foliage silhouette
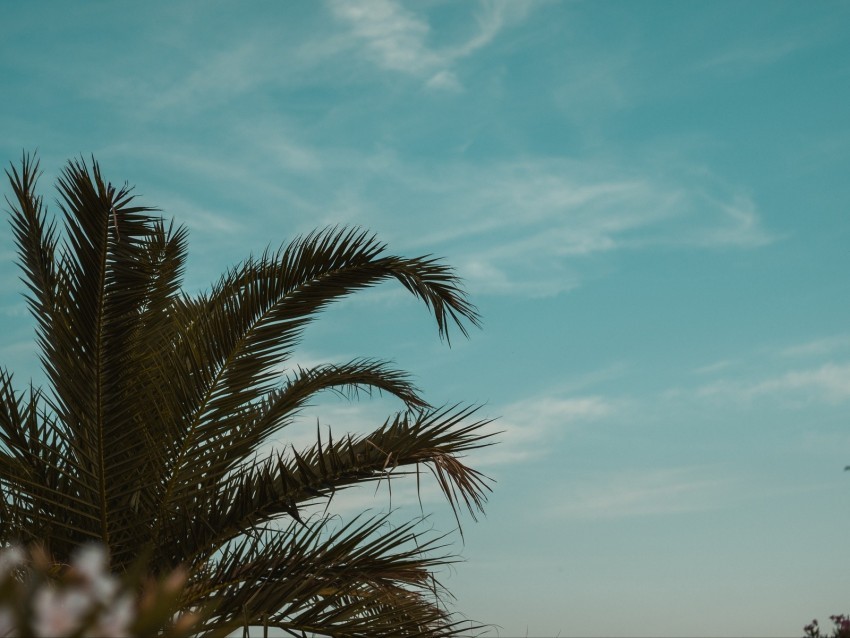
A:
x,y
147,438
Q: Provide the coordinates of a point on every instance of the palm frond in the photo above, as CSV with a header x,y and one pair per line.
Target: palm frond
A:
x,y
265,491
39,475
158,403
235,339
365,578
215,457
37,243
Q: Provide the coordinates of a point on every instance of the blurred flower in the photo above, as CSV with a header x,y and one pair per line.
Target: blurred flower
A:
x,y
92,563
47,599
116,620
59,613
11,558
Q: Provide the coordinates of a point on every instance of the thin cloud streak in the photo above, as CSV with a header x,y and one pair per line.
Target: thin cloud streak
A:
x,y
526,227
528,427
395,38
715,367
753,55
818,347
512,228
636,493
829,383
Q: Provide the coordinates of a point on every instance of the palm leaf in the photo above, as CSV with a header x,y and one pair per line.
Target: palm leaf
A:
x,y
148,436
248,325
278,486
365,578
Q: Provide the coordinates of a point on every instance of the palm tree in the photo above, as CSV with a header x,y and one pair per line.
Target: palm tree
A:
x,y
148,438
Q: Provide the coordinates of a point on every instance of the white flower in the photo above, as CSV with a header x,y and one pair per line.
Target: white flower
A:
x,y
115,620
91,561
11,558
94,594
92,564
59,613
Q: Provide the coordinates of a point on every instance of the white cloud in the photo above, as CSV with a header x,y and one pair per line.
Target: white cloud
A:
x,y
741,225
396,38
224,73
527,227
358,418
528,427
717,366
531,227
201,222
394,35
640,493
817,347
829,383
393,491
753,54
445,80
188,85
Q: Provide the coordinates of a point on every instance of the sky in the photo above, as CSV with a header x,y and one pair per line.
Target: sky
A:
x,y
647,201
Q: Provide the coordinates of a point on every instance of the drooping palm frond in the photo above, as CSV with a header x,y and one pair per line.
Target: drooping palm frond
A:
x,y
148,436
405,445
362,579
269,301
262,419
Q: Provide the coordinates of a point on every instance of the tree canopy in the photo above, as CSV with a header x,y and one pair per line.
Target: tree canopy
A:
x,y
152,434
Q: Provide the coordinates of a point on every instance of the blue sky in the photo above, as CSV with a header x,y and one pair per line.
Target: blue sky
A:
x,y
648,202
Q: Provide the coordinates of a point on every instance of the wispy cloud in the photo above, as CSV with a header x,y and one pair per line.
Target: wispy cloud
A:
x,y
392,492
530,426
225,73
805,373
715,367
202,222
607,81
754,54
641,493
818,347
527,428
528,227
445,80
829,383
740,225
396,37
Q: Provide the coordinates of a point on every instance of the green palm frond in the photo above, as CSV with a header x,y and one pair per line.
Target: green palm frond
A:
x,y
218,456
248,325
283,483
335,580
159,403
